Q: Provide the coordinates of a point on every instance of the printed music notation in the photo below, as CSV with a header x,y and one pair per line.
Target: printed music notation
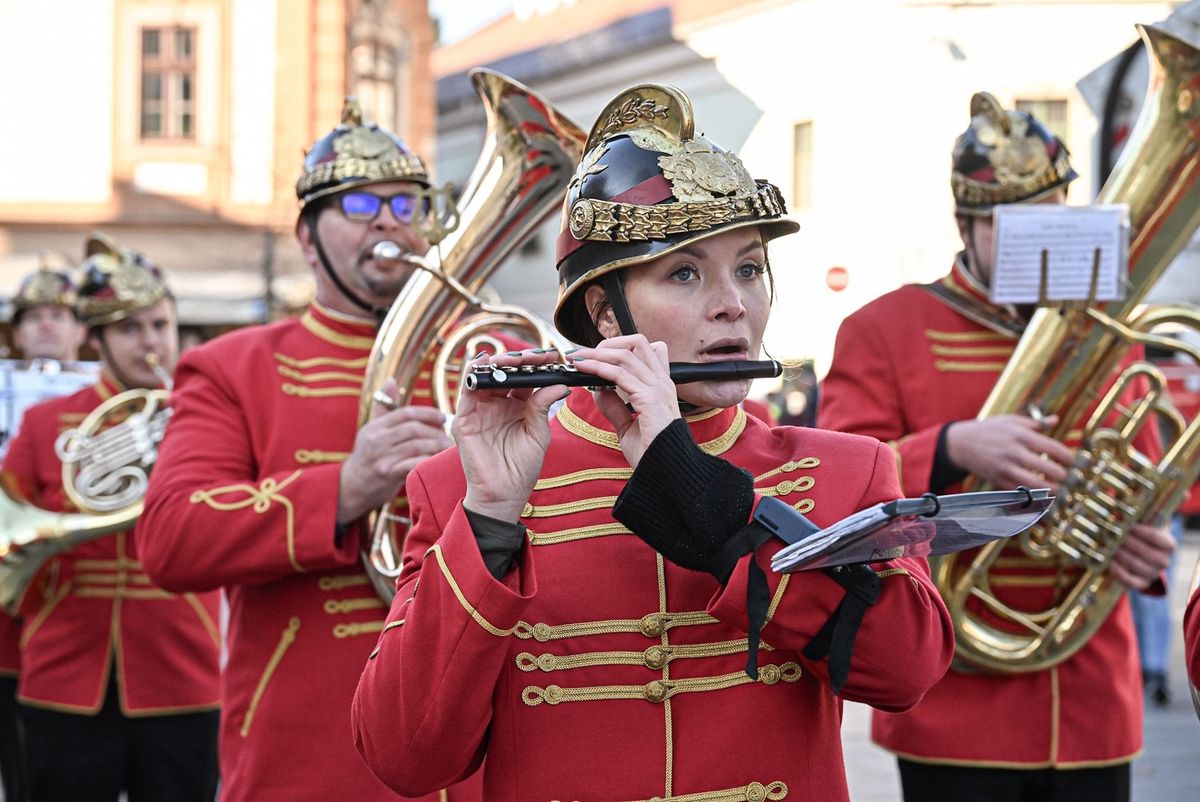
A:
x,y
1069,236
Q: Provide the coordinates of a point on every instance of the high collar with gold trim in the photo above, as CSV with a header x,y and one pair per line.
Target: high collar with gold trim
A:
x,y
715,431
976,303
339,329
107,386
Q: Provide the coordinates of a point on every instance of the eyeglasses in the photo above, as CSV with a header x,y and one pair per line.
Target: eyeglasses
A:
x,y
363,207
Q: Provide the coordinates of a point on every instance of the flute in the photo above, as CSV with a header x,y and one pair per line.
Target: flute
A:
x,y
488,377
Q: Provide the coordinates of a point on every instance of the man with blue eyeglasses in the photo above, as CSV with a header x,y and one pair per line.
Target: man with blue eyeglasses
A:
x,y
262,481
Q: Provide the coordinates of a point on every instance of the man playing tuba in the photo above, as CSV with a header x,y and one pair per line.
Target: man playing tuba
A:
x,y
262,481
914,368
119,678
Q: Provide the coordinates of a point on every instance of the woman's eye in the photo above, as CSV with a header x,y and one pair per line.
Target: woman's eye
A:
x,y
750,270
685,273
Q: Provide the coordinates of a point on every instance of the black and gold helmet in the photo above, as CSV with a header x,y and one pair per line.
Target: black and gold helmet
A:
x,y
356,154
1005,157
117,282
647,185
47,286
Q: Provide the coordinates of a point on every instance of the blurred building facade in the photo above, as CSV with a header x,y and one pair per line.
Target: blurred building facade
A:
x,y
179,126
850,108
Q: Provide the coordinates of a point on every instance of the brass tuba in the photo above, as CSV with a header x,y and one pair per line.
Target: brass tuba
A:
x,y
529,153
1067,353
105,469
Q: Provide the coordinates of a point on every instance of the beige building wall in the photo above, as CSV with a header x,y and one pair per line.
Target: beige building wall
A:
x,y
216,209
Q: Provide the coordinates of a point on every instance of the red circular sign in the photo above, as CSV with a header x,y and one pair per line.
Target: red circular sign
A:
x,y
837,278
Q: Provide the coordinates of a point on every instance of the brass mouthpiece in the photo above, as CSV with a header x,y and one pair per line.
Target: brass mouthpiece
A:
x,y
155,364
389,252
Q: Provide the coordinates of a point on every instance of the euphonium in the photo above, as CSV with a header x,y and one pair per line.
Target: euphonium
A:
x,y
529,153
1065,356
105,468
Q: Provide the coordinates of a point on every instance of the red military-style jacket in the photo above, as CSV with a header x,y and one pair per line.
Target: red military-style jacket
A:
x,y
244,496
10,649
1191,638
94,608
596,671
905,365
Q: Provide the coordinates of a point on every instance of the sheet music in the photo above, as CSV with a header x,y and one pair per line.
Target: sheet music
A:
x,y
1070,236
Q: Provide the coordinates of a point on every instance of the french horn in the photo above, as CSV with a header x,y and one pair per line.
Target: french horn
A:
x,y
105,470
1065,355
529,154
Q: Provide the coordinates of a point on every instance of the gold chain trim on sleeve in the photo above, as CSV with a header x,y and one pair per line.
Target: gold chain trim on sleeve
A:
x,y
568,508
653,658
802,464
754,792
318,361
342,581
658,691
306,456
436,550
651,625
581,428
285,641
339,606
579,533
259,499
588,475
361,628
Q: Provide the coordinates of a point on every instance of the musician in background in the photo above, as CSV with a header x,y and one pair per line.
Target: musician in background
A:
x,y
913,368
47,332
612,649
118,686
262,481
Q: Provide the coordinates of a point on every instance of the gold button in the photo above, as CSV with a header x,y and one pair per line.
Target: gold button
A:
x,y
655,657
547,662
554,694
755,792
652,626
769,674
541,632
655,691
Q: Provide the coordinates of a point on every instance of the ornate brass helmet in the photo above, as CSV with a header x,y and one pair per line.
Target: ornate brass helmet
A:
x,y
355,154
646,186
47,286
117,282
1005,157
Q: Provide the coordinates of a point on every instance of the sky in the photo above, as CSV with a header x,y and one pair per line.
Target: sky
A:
x,y
459,18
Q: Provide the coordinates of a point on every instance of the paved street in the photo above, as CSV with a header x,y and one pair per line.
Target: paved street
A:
x,y
1168,770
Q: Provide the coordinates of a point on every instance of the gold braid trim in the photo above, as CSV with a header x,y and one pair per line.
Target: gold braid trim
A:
x,y
967,336
361,628
654,657
946,366
319,376
754,792
986,350
554,510
607,221
319,392
318,361
652,625
801,464
285,641
340,606
581,428
436,551
260,497
335,337
341,581
658,690
588,475
306,456
579,533
788,486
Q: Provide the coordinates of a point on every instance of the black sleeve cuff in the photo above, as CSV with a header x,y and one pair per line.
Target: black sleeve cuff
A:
x,y
945,473
498,541
685,503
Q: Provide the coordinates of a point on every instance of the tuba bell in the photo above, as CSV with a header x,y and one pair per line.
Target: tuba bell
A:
x,y
1066,354
530,152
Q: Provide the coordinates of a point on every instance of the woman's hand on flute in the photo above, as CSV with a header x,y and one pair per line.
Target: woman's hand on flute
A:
x,y
641,371
502,437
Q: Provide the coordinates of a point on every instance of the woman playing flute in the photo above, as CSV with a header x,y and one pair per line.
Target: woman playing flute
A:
x,y
587,607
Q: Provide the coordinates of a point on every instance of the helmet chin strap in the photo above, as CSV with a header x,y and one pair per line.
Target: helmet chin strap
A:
x,y
110,363
377,312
